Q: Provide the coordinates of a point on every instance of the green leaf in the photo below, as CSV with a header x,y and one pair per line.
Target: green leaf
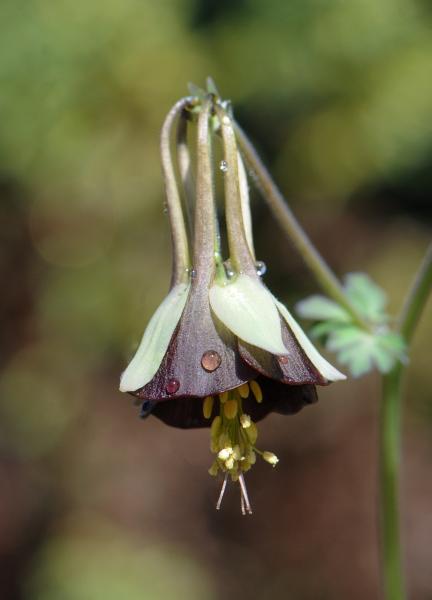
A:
x,y
362,351
321,330
369,299
321,308
358,363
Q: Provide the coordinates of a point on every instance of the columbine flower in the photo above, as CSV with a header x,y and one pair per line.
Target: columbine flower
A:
x,y
220,350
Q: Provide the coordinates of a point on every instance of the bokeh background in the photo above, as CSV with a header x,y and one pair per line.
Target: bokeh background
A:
x,y
96,504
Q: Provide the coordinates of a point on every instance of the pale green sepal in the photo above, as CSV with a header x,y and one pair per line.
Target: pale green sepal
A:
x,y
155,340
324,367
247,308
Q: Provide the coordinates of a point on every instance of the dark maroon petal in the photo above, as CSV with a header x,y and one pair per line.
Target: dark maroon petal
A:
x,y
202,358
287,399
295,368
187,413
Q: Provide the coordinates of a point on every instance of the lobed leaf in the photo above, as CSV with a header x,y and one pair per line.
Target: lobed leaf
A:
x,y
321,308
360,350
368,298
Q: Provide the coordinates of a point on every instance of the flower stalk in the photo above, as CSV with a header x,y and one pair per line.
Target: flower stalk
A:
x,y
390,437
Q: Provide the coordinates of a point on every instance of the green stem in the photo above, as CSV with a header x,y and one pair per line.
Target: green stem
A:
x,y
389,447
325,276
390,437
416,297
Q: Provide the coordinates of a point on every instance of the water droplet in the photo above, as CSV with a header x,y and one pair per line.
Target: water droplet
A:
x,y
211,360
223,166
191,272
283,359
261,268
172,386
165,208
229,271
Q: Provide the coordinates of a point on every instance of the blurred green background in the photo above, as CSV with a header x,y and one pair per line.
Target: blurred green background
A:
x,y
96,504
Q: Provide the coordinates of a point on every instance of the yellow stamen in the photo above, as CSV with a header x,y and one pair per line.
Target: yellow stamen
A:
x,y
214,469
256,391
243,390
223,397
230,409
245,421
236,452
216,427
270,458
229,463
252,433
251,457
208,407
225,453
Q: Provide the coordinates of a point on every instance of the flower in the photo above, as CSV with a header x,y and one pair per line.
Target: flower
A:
x,y
220,350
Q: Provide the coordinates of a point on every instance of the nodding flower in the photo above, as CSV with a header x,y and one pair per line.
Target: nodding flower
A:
x,y
220,351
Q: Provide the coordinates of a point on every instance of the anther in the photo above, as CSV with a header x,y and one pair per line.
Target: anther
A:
x,y
223,397
245,421
208,407
256,390
270,458
243,390
230,409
